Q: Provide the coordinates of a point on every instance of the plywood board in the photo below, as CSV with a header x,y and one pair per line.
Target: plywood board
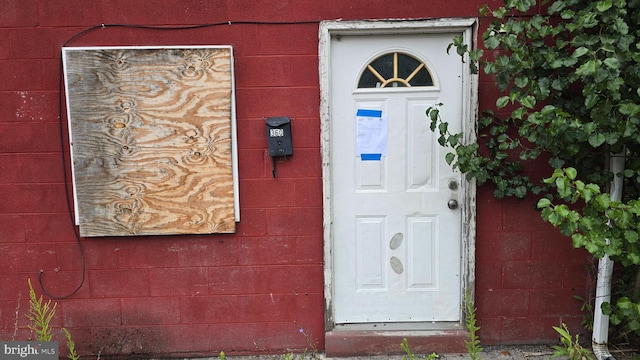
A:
x,y
152,140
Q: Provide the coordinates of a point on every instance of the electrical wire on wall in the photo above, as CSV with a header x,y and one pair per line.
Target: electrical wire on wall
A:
x,y
61,100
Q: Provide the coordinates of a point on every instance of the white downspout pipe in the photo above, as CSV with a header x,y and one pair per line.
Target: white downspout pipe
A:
x,y
600,338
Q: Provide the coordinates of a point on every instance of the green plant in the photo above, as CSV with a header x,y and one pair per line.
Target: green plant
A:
x,y
40,315
71,346
17,318
570,347
570,83
602,227
623,310
473,343
409,354
313,353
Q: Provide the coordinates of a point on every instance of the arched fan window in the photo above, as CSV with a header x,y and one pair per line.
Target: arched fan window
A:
x,y
395,70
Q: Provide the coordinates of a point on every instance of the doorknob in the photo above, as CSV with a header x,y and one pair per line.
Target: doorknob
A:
x,y
452,204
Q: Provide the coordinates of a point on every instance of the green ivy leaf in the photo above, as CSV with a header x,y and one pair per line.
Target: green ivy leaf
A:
x,y
521,81
543,203
449,158
634,259
595,140
562,210
443,127
499,13
604,5
491,42
580,51
556,7
528,101
523,5
589,68
519,113
502,60
621,26
631,236
579,240
520,192
502,102
612,62
603,200
629,108
567,14
475,55
590,100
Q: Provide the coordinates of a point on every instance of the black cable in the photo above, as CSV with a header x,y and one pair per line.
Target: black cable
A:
x,y
67,196
188,27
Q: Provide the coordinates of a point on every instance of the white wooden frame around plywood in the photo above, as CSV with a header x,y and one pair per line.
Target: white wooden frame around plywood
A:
x,y
233,127
468,26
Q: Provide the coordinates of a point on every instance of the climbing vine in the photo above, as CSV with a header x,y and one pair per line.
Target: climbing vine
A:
x,y
569,73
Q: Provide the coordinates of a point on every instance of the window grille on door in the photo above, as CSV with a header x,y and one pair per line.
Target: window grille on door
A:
x,y
395,70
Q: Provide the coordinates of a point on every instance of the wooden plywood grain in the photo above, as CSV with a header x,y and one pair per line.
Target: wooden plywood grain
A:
x,y
151,139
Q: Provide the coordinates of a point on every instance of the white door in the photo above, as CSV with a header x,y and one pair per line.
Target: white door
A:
x,y
396,227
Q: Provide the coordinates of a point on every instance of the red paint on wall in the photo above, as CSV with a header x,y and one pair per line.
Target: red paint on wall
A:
x,y
260,289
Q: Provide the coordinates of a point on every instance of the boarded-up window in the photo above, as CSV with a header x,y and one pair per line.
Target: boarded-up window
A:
x,y
152,139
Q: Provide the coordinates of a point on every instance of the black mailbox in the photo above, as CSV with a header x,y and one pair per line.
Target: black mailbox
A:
x,y
279,136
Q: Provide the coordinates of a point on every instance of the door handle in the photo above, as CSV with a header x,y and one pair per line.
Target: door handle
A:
x,y
452,204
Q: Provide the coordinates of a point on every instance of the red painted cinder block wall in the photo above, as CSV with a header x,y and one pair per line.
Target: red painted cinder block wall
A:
x,y
255,290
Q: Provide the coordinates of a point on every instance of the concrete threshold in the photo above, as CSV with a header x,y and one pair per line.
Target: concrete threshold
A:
x,y
350,342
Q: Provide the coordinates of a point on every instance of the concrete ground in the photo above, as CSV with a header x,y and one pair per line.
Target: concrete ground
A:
x,y
511,352
505,352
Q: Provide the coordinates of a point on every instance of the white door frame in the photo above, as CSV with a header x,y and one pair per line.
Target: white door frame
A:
x,y
468,26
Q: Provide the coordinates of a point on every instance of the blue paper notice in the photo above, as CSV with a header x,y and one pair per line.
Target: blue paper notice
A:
x,y
371,134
